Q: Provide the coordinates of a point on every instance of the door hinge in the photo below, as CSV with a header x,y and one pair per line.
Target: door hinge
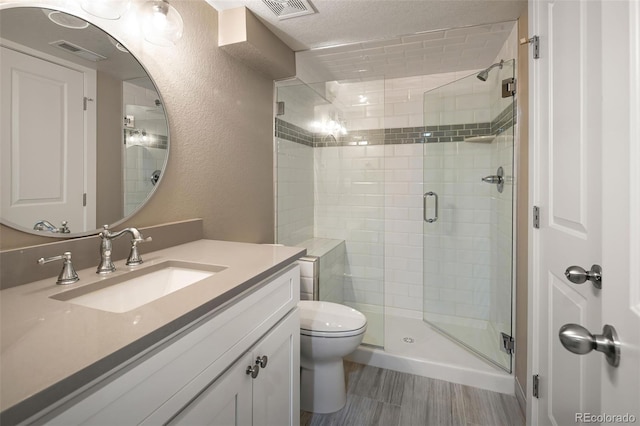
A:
x,y
535,42
280,108
536,217
536,386
84,200
84,102
508,87
508,344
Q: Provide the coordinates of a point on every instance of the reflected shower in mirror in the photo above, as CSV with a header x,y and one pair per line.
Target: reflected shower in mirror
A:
x,y
84,133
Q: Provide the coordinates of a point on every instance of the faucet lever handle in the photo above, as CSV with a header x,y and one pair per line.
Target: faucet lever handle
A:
x,y
134,258
68,275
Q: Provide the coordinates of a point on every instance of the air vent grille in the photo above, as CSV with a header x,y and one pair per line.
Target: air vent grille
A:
x,y
290,8
77,50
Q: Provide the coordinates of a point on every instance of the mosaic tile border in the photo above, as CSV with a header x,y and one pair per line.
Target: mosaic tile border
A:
x,y
398,135
155,141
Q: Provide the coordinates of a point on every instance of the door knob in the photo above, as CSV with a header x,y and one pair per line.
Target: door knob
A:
x,y
579,340
578,275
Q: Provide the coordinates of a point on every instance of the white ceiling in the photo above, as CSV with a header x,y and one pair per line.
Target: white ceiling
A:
x,y
362,39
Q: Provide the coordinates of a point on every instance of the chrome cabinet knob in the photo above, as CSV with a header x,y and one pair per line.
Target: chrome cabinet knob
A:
x,y
578,275
579,340
262,361
253,371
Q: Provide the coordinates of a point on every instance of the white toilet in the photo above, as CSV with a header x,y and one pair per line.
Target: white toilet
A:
x,y
328,332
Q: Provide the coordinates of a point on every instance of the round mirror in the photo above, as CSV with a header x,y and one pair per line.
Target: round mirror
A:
x,y
85,137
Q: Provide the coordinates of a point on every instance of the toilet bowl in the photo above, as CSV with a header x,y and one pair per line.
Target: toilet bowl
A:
x,y
328,333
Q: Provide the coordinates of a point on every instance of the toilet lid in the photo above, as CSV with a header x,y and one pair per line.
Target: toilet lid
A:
x,y
328,319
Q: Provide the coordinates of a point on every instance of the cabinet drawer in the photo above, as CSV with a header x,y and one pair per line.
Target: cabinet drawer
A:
x,y
213,342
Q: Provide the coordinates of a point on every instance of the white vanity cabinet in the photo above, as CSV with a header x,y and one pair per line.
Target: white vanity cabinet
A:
x,y
199,376
273,392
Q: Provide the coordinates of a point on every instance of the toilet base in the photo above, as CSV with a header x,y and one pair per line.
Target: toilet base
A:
x,y
322,387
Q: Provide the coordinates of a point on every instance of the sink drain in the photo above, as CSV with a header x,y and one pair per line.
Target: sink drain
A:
x,y
408,339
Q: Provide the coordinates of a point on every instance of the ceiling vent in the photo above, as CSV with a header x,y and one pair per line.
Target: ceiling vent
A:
x,y
285,9
77,50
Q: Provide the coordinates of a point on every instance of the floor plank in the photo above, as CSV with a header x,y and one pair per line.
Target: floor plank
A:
x,y
376,396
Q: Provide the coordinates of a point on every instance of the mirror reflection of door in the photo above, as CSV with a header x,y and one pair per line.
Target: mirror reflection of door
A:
x,y
43,101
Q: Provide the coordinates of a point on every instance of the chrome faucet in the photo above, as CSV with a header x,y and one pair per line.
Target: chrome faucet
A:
x,y
106,265
45,225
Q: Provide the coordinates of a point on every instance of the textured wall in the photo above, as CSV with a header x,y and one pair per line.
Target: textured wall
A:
x,y
221,119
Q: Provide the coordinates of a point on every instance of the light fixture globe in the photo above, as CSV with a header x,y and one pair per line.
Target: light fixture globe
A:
x,y
162,24
107,9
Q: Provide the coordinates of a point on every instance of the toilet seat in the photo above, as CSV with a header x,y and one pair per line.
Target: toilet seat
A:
x,y
330,320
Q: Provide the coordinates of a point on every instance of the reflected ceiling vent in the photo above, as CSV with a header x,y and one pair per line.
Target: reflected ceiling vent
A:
x,y
285,9
77,50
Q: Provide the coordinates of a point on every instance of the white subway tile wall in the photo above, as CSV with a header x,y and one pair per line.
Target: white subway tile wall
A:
x,y
349,205
371,196
140,163
295,181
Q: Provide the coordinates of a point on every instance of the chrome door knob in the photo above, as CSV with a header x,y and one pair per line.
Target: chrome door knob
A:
x,y
578,275
579,340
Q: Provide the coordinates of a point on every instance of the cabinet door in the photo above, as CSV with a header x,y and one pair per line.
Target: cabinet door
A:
x,y
227,401
276,390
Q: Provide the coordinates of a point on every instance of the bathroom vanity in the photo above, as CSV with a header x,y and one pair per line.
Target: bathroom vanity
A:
x,y
222,350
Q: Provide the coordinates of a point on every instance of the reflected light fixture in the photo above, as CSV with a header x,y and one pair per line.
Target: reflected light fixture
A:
x,y
162,24
107,9
64,20
117,44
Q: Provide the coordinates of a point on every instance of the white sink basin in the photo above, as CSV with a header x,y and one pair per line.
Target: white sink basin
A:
x,y
129,291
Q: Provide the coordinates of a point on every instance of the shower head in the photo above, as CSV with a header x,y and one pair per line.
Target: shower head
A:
x,y
483,75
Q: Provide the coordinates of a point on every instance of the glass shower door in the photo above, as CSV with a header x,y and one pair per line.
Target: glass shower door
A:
x,y
468,213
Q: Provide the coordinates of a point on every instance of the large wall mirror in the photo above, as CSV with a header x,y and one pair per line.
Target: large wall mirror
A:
x,y
84,133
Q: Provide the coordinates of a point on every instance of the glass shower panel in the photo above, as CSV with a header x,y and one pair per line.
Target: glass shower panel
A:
x,y
330,189
294,137
468,220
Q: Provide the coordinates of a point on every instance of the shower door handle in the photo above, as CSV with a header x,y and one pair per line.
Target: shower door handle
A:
x,y
424,207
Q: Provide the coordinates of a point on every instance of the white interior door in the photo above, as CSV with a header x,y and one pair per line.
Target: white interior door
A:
x,y
567,188
42,129
584,209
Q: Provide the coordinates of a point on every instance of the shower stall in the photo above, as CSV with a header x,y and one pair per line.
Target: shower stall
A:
x,y
468,212
413,178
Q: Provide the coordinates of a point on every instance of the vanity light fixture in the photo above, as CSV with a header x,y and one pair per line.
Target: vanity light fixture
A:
x,y
162,24
107,9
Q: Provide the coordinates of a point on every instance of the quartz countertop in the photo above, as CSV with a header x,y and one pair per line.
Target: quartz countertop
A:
x,y
50,348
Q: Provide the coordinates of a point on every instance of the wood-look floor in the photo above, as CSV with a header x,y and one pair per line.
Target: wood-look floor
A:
x,y
376,396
